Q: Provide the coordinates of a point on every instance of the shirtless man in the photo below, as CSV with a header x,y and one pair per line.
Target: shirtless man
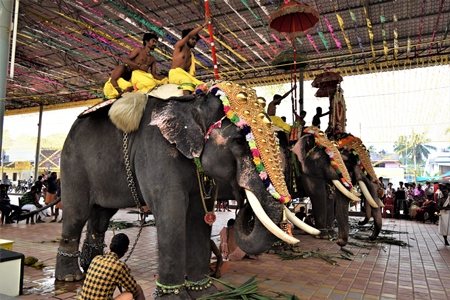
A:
x,y
182,71
118,83
144,77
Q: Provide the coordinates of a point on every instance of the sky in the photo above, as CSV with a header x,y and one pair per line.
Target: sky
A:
x,y
380,108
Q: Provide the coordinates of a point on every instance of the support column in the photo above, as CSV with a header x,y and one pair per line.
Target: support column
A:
x,y
5,34
38,144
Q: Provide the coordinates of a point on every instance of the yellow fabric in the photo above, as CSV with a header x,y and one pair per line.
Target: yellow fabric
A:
x,y
110,92
183,79
144,81
277,121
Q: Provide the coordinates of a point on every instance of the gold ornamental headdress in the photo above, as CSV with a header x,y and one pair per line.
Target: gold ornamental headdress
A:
x,y
352,143
246,111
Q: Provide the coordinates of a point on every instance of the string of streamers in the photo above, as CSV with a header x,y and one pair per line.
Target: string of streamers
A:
x,y
341,24
419,33
237,45
383,33
311,40
263,8
395,37
369,28
358,36
245,21
98,32
287,38
280,44
408,42
254,14
91,48
239,39
333,35
322,38
227,47
100,17
441,6
262,49
445,34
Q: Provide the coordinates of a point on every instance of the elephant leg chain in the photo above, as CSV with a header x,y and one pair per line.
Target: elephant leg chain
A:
x,y
85,256
65,254
133,190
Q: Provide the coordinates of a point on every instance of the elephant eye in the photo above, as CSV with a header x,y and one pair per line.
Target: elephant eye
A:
x,y
240,139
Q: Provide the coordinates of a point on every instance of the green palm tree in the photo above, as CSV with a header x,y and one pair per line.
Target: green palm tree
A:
x,y
401,147
421,150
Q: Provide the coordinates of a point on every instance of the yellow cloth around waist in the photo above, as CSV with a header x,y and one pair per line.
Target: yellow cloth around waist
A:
x,y
144,81
277,121
110,92
183,79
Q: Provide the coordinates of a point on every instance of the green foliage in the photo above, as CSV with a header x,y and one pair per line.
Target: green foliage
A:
x,y
415,144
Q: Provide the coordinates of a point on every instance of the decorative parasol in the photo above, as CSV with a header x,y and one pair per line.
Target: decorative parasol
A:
x,y
327,79
284,60
327,83
293,17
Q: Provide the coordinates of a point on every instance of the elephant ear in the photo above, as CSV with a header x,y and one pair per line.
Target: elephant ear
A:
x,y
181,124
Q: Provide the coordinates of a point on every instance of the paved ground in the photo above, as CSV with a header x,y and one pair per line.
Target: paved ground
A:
x,y
383,272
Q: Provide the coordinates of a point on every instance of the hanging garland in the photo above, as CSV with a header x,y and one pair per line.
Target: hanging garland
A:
x,y
369,28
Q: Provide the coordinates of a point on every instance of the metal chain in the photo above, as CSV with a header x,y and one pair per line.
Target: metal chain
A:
x,y
77,254
133,190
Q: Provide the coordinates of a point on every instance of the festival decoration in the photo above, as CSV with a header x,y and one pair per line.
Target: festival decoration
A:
x,y
243,109
327,83
322,142
369,27
284,60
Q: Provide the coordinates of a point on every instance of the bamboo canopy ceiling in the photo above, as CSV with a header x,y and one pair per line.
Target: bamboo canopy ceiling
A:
x,y
66,50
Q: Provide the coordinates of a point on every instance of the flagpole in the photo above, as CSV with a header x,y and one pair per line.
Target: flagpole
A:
x,y
211,40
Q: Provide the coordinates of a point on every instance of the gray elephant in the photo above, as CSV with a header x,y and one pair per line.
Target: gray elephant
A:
x,y
357,161
162,146
329,188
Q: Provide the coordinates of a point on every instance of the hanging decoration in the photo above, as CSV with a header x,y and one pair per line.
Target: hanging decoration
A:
x,y
441,6
395,38
419,32
383,34
327,83
358,36
341,24
369,28
333,35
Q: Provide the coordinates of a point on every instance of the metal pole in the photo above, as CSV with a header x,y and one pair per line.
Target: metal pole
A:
x,y
38,144
14,40
211,40
5,33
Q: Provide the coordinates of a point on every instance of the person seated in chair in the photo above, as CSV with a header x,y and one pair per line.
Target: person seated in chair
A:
x,y
30,202
428,209
9,211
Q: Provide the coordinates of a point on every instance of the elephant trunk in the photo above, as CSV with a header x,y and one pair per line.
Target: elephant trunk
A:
x,y
342,219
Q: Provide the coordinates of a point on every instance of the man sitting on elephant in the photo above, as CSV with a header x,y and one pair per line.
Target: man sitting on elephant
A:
x,y
182,71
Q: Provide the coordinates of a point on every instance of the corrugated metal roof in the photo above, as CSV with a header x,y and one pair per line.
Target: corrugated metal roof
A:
x,y
66,50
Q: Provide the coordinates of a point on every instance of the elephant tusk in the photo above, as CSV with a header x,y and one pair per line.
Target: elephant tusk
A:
x,y
366,193
300,224
266,221
344,191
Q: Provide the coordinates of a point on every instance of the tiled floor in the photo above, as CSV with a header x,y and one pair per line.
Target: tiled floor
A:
x,y
383,272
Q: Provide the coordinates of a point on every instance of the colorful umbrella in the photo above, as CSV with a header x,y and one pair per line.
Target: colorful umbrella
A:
x,y
294,17
327,79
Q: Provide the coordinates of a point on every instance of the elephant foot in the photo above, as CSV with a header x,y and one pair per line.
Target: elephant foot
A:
x,y
364,222
341,242
324,235
195,294
67,269
182,295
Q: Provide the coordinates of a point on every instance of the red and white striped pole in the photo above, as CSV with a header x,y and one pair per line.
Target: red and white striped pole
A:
x,y
211,40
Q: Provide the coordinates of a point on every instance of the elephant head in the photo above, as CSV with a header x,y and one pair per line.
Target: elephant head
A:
x,y
325,179
358,163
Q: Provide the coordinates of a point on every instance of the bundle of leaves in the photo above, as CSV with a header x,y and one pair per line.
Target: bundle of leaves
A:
x,y
247,291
